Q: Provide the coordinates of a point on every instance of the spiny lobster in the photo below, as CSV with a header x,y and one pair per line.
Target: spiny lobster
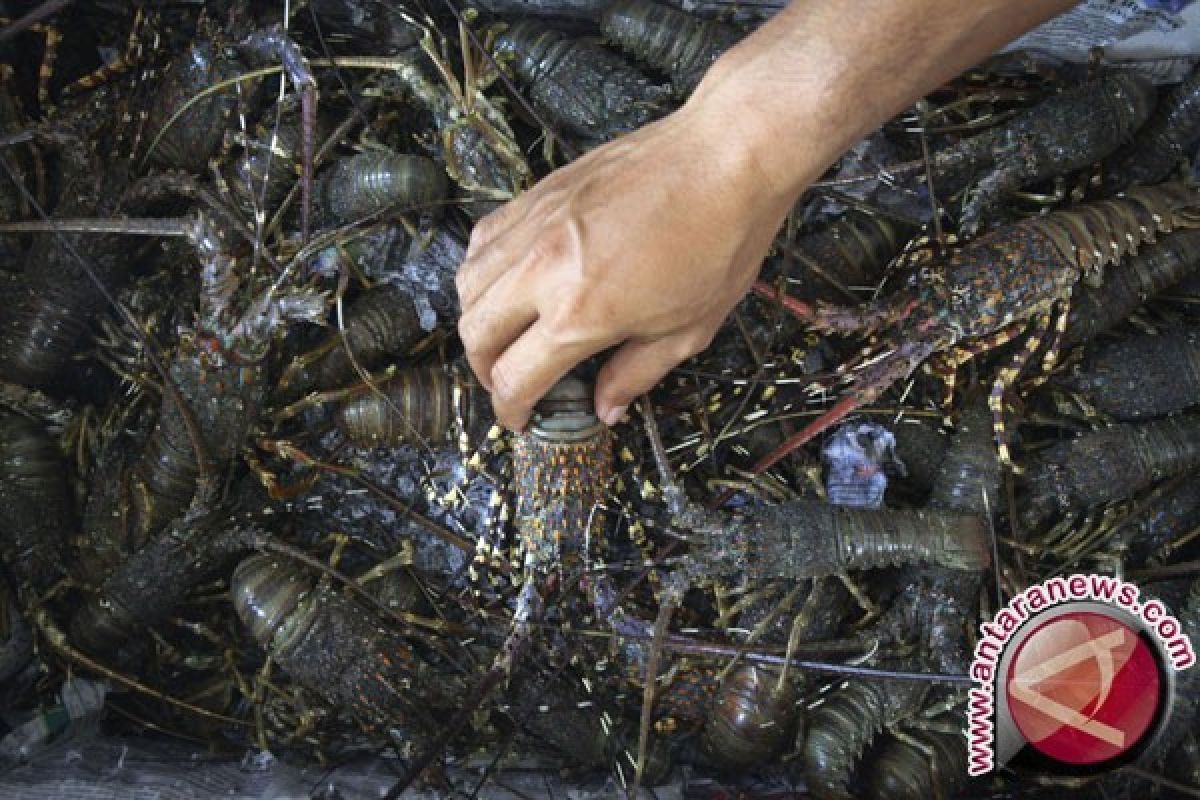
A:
x,y
984,294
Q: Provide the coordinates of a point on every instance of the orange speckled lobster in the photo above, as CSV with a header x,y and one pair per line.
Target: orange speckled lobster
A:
x,y
1015,279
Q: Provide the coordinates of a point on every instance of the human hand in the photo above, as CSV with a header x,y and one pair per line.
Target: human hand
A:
x,y
644,243
648,241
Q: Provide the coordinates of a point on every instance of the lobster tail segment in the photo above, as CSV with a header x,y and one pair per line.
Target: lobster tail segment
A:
x,y
1101,234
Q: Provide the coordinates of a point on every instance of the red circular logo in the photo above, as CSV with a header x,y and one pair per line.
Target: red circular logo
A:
x,y
1083,688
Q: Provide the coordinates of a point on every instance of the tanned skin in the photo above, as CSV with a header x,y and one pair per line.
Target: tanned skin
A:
x,y
646,243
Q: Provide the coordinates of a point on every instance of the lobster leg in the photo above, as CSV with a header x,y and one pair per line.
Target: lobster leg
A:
x,y
947,368
1007,378
291,452
126,61
1050,360
987,194
46,69
320,398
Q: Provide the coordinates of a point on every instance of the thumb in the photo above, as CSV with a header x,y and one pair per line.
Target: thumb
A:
x,y
635,368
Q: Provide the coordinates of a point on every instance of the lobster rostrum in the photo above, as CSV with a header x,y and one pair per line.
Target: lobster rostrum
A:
x,y
1015,279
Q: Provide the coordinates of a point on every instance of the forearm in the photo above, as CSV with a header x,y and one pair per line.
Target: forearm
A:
x,y
646,242
794,95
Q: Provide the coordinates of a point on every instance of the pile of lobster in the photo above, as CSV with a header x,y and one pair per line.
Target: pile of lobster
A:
x,y
250,485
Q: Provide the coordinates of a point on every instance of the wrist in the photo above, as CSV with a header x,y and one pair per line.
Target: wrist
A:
x,y
791,97
739,144
783,129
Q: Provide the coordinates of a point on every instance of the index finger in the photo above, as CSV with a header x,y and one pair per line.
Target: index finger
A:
x,y
529,367
490,253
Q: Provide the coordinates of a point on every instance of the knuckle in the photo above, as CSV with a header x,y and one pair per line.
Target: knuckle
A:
x,y
568,312
480,233
682,349
506,384
481,368
511,407
469,331
463,282
491,225
547,249
619,393
572,334
691,343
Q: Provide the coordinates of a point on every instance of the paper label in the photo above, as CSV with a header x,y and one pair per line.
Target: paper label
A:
x,y
1124,29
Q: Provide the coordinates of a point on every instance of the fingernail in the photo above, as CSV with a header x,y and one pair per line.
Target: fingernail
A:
x,y
614,415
